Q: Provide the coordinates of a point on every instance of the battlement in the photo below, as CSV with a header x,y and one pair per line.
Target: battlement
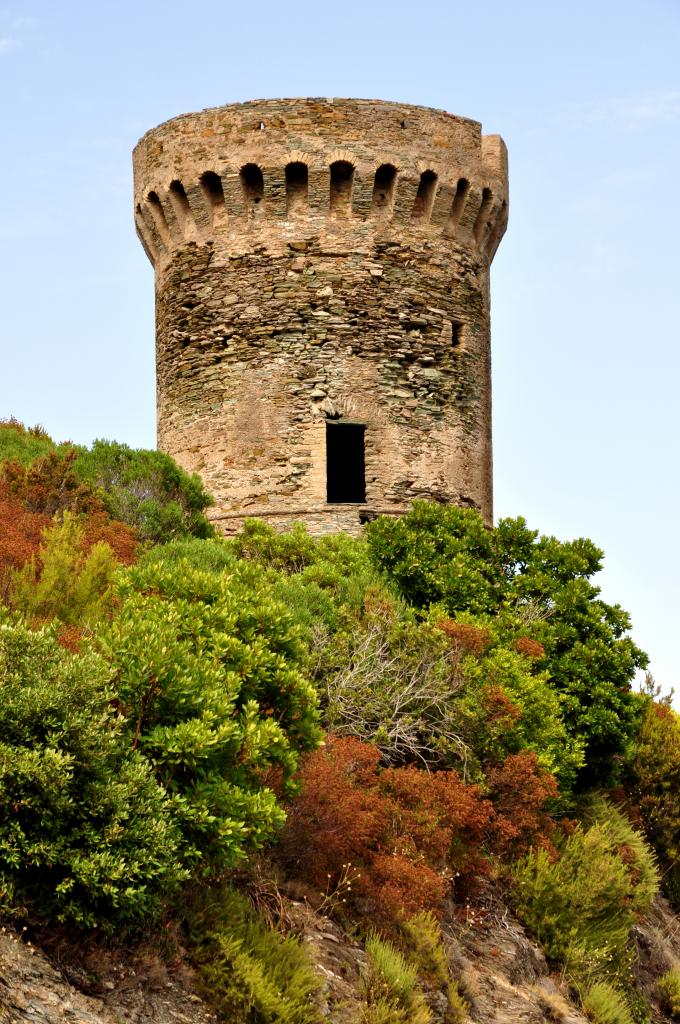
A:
x,y
275,171
322,304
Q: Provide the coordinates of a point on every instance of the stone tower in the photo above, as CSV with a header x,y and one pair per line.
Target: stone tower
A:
x,y
322,305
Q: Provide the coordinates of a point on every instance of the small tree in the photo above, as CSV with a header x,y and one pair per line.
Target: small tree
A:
x,y
86,833
539,587
208,680
147,490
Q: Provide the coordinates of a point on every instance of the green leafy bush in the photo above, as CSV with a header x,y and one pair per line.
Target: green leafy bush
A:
x,y
86,834
147,490
207,670
209,555
494,730
582,906
537,585
252,974
669,989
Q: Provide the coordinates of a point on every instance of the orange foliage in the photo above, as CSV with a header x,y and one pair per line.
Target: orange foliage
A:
x,y
530,648
404,830
31,496
501,714
520,790
469,639
121,538
20,534
70,637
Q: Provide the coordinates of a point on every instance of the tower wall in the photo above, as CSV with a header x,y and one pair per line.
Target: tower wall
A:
x,y
323,261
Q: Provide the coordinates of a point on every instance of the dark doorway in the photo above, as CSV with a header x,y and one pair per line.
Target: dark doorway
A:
x,y
345,467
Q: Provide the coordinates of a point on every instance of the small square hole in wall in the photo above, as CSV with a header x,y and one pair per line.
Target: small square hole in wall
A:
x,y
345,463
456,335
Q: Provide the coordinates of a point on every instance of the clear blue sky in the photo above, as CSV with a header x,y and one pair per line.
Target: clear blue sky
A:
x,y
585,287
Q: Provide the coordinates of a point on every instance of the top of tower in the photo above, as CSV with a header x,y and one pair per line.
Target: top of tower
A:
x,y
270,171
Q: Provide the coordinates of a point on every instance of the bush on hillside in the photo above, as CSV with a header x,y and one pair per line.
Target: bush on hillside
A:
x,y
653,787
539,587
146,489
251,972
207,674
391,994
23,443
669,990
20,536
582,906
86,834
65,582
404,832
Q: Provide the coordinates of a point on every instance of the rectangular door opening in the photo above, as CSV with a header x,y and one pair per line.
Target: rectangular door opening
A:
x,y
345,463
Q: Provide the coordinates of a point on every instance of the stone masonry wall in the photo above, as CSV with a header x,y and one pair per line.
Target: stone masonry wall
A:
x,y
315,260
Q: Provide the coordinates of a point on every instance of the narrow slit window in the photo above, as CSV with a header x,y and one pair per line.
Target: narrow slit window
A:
x,y
422,207
456,335
342,173
253,184
297,187
458,204
383,187
345,463
180,204
483,215
213,193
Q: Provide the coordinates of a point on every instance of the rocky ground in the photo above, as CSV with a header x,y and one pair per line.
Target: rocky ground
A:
x,y
503,976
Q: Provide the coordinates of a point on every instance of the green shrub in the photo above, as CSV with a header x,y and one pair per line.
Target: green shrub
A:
x,y
207,669
147,490
424,937
441,554
669,989
426,947
252,974
501,673
605,1004
582,906
653,786
86,834
390,987
65,582
23,443
207,554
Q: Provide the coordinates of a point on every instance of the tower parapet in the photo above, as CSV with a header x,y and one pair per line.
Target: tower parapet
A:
x,y
322,269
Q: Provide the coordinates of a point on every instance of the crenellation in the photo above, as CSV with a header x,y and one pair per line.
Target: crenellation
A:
x,y
316,262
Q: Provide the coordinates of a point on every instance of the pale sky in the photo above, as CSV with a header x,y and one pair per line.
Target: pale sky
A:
x,y
585,286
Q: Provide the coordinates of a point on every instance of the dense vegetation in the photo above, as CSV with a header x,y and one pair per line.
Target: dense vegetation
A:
x,y
387,722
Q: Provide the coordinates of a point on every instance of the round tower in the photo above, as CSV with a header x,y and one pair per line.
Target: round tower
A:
x,y
322,305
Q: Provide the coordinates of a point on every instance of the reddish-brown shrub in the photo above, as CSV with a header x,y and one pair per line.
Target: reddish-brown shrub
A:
x,y
466,638
404,887
49,485
20,534
405,831
29,498
500,713
121,538
70,637
520,790
530,648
